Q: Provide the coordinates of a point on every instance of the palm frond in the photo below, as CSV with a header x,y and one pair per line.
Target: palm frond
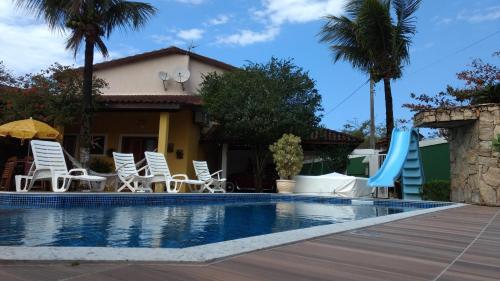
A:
x,y
52,11
341,33
75,40
101,47
126,14
405,28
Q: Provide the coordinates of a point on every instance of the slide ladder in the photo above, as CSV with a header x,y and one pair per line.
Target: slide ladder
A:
x,y
412,175
402,161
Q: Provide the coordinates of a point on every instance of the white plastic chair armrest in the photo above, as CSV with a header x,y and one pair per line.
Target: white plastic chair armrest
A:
x,y
217,173
83,171
183,176
143,168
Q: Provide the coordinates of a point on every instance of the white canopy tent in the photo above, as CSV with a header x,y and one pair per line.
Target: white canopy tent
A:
x,y
333,184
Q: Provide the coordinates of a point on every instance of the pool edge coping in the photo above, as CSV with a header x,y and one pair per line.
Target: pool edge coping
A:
x,y
201,253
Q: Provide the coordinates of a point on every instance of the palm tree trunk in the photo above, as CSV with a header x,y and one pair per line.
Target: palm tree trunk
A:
x,y
389,113
372,113
259,168
87,102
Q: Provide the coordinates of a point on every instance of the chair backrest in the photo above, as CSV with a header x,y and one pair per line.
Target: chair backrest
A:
x,y
8,172
49,154
125,164
201,170
157,164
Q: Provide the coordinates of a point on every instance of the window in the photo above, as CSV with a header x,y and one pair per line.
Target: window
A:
x,y
138,145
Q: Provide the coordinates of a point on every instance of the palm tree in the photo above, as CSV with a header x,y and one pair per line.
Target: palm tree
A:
x,y
89,22
382,42
342,33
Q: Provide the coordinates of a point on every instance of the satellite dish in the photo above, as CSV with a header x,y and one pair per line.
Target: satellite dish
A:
x,y
181,75
163,76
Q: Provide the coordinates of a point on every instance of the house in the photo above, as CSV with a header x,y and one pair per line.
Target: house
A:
x,y
150,103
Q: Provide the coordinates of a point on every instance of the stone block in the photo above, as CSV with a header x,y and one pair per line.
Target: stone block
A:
x,y
486,117
429,118
488,195
457,115
487,161
475,197
443,116
492,177
469,114
472,157
496,131
486,132
485,148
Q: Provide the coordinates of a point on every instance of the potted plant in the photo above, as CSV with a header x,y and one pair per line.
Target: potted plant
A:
x,y
288,157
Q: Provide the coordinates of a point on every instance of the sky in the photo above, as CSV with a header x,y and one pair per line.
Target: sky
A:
x,y
450,33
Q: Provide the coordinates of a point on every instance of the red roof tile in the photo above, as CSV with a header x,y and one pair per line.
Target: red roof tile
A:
x,y
160,53
175,99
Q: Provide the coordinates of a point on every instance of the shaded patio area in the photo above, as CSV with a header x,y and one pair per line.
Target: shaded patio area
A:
x,y
456,244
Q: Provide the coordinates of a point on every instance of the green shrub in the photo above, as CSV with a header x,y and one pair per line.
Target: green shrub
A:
x,y
438,190
496,143
288,156
101,165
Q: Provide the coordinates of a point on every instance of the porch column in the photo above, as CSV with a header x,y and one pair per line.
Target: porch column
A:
x,y
162,140
224,160
163,132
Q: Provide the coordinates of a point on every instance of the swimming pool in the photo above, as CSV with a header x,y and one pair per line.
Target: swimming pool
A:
x,y
177,222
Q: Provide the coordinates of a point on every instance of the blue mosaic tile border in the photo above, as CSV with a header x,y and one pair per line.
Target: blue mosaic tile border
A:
x,y
51,200
410,204
71,200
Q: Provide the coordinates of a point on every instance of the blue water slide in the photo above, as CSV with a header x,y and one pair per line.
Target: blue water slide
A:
x,y
403,160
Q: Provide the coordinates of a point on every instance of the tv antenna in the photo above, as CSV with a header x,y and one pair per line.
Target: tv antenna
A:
x,y
191,47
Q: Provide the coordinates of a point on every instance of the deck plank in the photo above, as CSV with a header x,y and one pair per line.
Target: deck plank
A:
x,y
417,248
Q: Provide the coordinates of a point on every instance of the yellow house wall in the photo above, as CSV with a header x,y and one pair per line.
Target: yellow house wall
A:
x,y
183,133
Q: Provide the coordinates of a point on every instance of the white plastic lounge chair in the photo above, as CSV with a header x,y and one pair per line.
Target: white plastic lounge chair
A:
x,y
211,183
129,175
49,164
158,167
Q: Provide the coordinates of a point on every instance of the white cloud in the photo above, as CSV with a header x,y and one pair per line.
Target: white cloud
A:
x,y
442,20
276,13
166,40
480,15
192,2
218,20
190,34
28,45
298,11
247,37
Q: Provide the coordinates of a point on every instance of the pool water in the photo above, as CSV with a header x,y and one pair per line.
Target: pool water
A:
x,y
170,226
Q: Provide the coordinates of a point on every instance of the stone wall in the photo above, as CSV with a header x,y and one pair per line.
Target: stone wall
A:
x,y
475,166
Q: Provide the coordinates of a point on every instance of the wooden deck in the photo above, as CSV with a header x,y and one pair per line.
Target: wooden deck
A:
x,y
455,244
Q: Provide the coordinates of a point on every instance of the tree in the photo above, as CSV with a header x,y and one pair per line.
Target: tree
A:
x,y
89,22
342,33
257,104
375,41
360,130
54,95
481,85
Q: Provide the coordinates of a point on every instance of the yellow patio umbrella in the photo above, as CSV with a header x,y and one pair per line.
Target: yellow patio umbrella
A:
x,y
29,129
